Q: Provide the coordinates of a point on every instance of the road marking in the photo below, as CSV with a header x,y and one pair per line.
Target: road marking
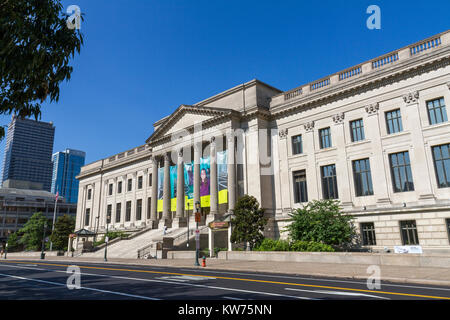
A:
x,y
176,282
250,280
185,278
363,282
232,298
85,288
338,293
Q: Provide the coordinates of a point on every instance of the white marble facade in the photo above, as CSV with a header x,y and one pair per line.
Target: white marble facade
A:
x,y
263,120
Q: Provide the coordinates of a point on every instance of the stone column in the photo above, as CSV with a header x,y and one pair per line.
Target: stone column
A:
x,y
231,172
166,218
214,198
154,201
313,180
179,220
211,242
286,204
133,199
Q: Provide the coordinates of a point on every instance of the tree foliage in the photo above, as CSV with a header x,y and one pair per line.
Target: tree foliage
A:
x,y
33,231
321,221
249,222
64,226
13,242
35,48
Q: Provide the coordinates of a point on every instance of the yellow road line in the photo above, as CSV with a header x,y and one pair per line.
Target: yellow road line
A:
x,y
237,279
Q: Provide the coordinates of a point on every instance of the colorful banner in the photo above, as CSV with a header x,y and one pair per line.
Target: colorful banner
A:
x,y
205,182
173,188
222,176
189,185
160,189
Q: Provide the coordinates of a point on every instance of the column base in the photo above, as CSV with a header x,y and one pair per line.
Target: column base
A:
x,y
165,223
179,223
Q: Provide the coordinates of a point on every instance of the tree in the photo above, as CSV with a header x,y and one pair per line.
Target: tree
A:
x,y
249,222
321,221
13,243
35,47
64,226
33,231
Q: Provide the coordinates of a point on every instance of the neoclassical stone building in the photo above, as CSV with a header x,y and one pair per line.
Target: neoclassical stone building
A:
x,y
375,136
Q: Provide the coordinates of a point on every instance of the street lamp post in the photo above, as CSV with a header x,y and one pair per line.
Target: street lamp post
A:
x,y
43,241
187,215
6,244
197,234
106,236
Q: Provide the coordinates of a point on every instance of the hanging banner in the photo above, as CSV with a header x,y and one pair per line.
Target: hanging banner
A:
x,y
222,176
205,182
160,189
173,188
189,185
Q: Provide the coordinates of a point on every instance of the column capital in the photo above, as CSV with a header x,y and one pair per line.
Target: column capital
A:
x,y
166,157
212,140
309,126
448,85
180,152
283,133
230,136
372,108
411,97
339,118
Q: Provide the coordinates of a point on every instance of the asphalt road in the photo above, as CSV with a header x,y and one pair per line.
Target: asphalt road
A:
x,y
41,280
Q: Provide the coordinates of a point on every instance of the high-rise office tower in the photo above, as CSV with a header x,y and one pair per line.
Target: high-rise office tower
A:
x,y
66,166
27,161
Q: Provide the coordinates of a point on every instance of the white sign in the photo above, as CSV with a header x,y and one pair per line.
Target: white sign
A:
x,y
408,249
197,235
106,239
7,244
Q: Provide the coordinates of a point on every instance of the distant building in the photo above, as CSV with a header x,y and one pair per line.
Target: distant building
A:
x,y
17,206
66,166
28,154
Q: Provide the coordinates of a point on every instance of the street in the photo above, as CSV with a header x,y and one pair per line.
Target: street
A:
x,y
42,280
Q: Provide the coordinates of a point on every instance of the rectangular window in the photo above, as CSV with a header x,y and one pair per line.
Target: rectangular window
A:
x,y
447,222
329,182
441,157
325,138
138,209
89,194
149,207
368,234
394,121
108,213
401,172
357,130
119,187
118,211
150,180
130,184
300,191
297,146
436,111
409,232
140,182
110,189
362,177
87,216
128,211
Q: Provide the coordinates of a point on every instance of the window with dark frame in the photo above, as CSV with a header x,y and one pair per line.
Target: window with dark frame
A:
x,y
362,177
149,207
108,213
130,184
297,146
87,216
128,211
329,182
118,211
150,180
408,231
436,111
394,121
138,209
447,222
325,138
300,188
368,234
140,182
119,187
357,130
89,194
441,158
402,180
110,191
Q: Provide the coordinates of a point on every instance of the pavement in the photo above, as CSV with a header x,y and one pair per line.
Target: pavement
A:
x,y
396,274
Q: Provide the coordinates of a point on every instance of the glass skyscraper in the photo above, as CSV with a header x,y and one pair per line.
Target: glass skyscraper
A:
x,y
66,166
27,160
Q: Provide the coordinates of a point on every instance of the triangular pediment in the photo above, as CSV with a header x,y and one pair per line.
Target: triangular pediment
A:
x,y
184,118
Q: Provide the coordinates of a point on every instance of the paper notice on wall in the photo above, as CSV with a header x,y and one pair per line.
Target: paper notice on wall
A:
x,y
408,249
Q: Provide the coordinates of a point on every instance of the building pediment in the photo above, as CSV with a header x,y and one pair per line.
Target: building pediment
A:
x,y
185,117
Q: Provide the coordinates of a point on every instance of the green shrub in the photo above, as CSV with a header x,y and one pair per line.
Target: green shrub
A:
x,y
273,245
310,246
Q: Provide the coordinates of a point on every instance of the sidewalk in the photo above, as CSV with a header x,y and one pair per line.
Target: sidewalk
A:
x,y
430,276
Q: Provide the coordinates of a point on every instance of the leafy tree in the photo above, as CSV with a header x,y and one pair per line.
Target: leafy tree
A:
x,y
64,226
321,221
249,222
13,242
33,231
35,47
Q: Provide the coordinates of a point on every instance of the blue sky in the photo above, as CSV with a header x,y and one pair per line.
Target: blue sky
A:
x,y
143,58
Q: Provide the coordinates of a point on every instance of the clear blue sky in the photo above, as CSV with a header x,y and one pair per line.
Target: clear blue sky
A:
x,y
143,58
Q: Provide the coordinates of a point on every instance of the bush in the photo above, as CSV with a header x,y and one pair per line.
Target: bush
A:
x,y
111,235
284,245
